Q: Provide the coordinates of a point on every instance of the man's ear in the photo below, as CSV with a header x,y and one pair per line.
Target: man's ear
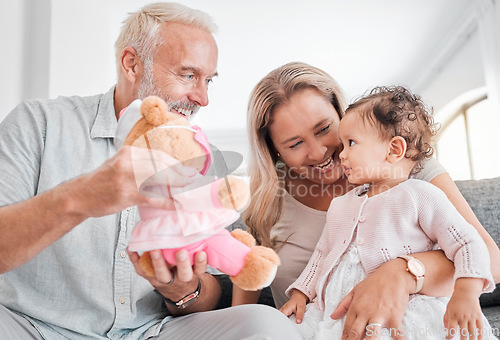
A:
x,y
130,64
396,149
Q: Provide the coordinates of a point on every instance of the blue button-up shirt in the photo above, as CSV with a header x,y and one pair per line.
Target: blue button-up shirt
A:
x,y
83,285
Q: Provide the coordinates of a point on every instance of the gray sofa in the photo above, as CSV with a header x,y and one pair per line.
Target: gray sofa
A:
x,y
484,198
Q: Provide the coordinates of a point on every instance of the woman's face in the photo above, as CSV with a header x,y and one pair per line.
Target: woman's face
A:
x,y
304,131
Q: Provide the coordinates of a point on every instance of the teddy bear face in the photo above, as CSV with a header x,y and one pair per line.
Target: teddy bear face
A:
x,y
174,141
160,129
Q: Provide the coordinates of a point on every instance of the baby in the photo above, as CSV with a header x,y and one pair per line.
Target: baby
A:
x,y
386,136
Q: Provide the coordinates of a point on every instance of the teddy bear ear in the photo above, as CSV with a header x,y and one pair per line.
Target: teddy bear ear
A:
x,y
154,109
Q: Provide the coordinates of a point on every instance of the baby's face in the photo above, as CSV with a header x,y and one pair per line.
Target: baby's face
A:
x,y
364,156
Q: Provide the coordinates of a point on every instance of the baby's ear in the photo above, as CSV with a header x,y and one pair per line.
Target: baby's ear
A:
x,y
396,149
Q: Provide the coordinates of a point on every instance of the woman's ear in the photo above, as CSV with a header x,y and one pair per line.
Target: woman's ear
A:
x,y
130,64
396,149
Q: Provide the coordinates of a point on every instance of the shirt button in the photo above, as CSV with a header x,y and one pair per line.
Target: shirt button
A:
x,y
122,300
128,209
361,240
123,254
362,219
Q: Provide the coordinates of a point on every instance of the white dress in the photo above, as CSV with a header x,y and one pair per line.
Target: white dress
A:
x,y
423,318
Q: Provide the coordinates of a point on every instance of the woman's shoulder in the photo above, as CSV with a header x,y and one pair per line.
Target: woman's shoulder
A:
x,y
431,169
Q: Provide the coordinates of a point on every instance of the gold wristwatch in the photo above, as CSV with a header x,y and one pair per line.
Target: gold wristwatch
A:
x,y
416,268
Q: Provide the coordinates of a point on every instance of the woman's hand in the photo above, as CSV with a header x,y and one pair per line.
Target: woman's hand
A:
x,y
296,305
383,296
380,299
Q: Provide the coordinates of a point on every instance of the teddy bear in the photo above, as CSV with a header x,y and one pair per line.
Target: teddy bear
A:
x,y
204,206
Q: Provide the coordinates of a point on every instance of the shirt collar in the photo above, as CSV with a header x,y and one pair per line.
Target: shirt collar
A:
x,y
105,123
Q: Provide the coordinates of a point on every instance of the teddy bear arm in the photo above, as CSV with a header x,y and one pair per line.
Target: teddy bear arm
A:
x,y
234,193
249,267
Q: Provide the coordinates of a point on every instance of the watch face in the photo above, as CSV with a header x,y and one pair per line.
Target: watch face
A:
x,y
416,267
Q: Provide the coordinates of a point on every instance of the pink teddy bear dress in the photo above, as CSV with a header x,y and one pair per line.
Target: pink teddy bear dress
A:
x,y
198,221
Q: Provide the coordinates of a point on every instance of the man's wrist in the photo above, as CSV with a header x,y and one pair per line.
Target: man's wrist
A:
x,y
70,193
65,196
187,299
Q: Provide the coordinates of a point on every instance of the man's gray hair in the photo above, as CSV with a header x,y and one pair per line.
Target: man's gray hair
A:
x,y
140,29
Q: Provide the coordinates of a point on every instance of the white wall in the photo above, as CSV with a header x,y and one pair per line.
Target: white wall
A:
x,y
460,73
82,38
463,71
12,31
65,47
25,38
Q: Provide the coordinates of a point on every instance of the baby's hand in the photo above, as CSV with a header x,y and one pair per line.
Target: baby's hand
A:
x,y
463,315
296,304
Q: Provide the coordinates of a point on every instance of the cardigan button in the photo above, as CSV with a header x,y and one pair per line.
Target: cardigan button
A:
x,y
362,219
360,240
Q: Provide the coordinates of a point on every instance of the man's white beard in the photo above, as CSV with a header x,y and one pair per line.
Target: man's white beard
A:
x,y
149,88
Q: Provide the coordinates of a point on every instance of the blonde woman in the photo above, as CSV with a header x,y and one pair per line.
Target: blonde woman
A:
x,y
295,172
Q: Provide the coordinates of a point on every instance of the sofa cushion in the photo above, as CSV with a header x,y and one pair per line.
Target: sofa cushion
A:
x,y
483,197
493,316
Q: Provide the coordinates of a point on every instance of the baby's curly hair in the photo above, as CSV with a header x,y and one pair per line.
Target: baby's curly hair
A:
x,y
395,111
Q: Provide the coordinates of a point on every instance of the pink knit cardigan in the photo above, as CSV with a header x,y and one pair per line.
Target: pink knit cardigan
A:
x,y
412,217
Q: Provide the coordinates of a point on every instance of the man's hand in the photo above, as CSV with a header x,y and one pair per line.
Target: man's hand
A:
x,y
175,282
114,186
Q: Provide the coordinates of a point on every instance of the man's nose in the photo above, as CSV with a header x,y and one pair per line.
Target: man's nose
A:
x,y
199,94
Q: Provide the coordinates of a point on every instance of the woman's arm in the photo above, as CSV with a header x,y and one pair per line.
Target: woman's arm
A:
x,y
445,183
243,297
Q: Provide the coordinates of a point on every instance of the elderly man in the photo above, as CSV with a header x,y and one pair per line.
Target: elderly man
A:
x,y
66,205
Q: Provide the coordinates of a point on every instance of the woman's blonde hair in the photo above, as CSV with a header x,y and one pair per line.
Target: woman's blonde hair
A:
x,y
141,29
266,184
